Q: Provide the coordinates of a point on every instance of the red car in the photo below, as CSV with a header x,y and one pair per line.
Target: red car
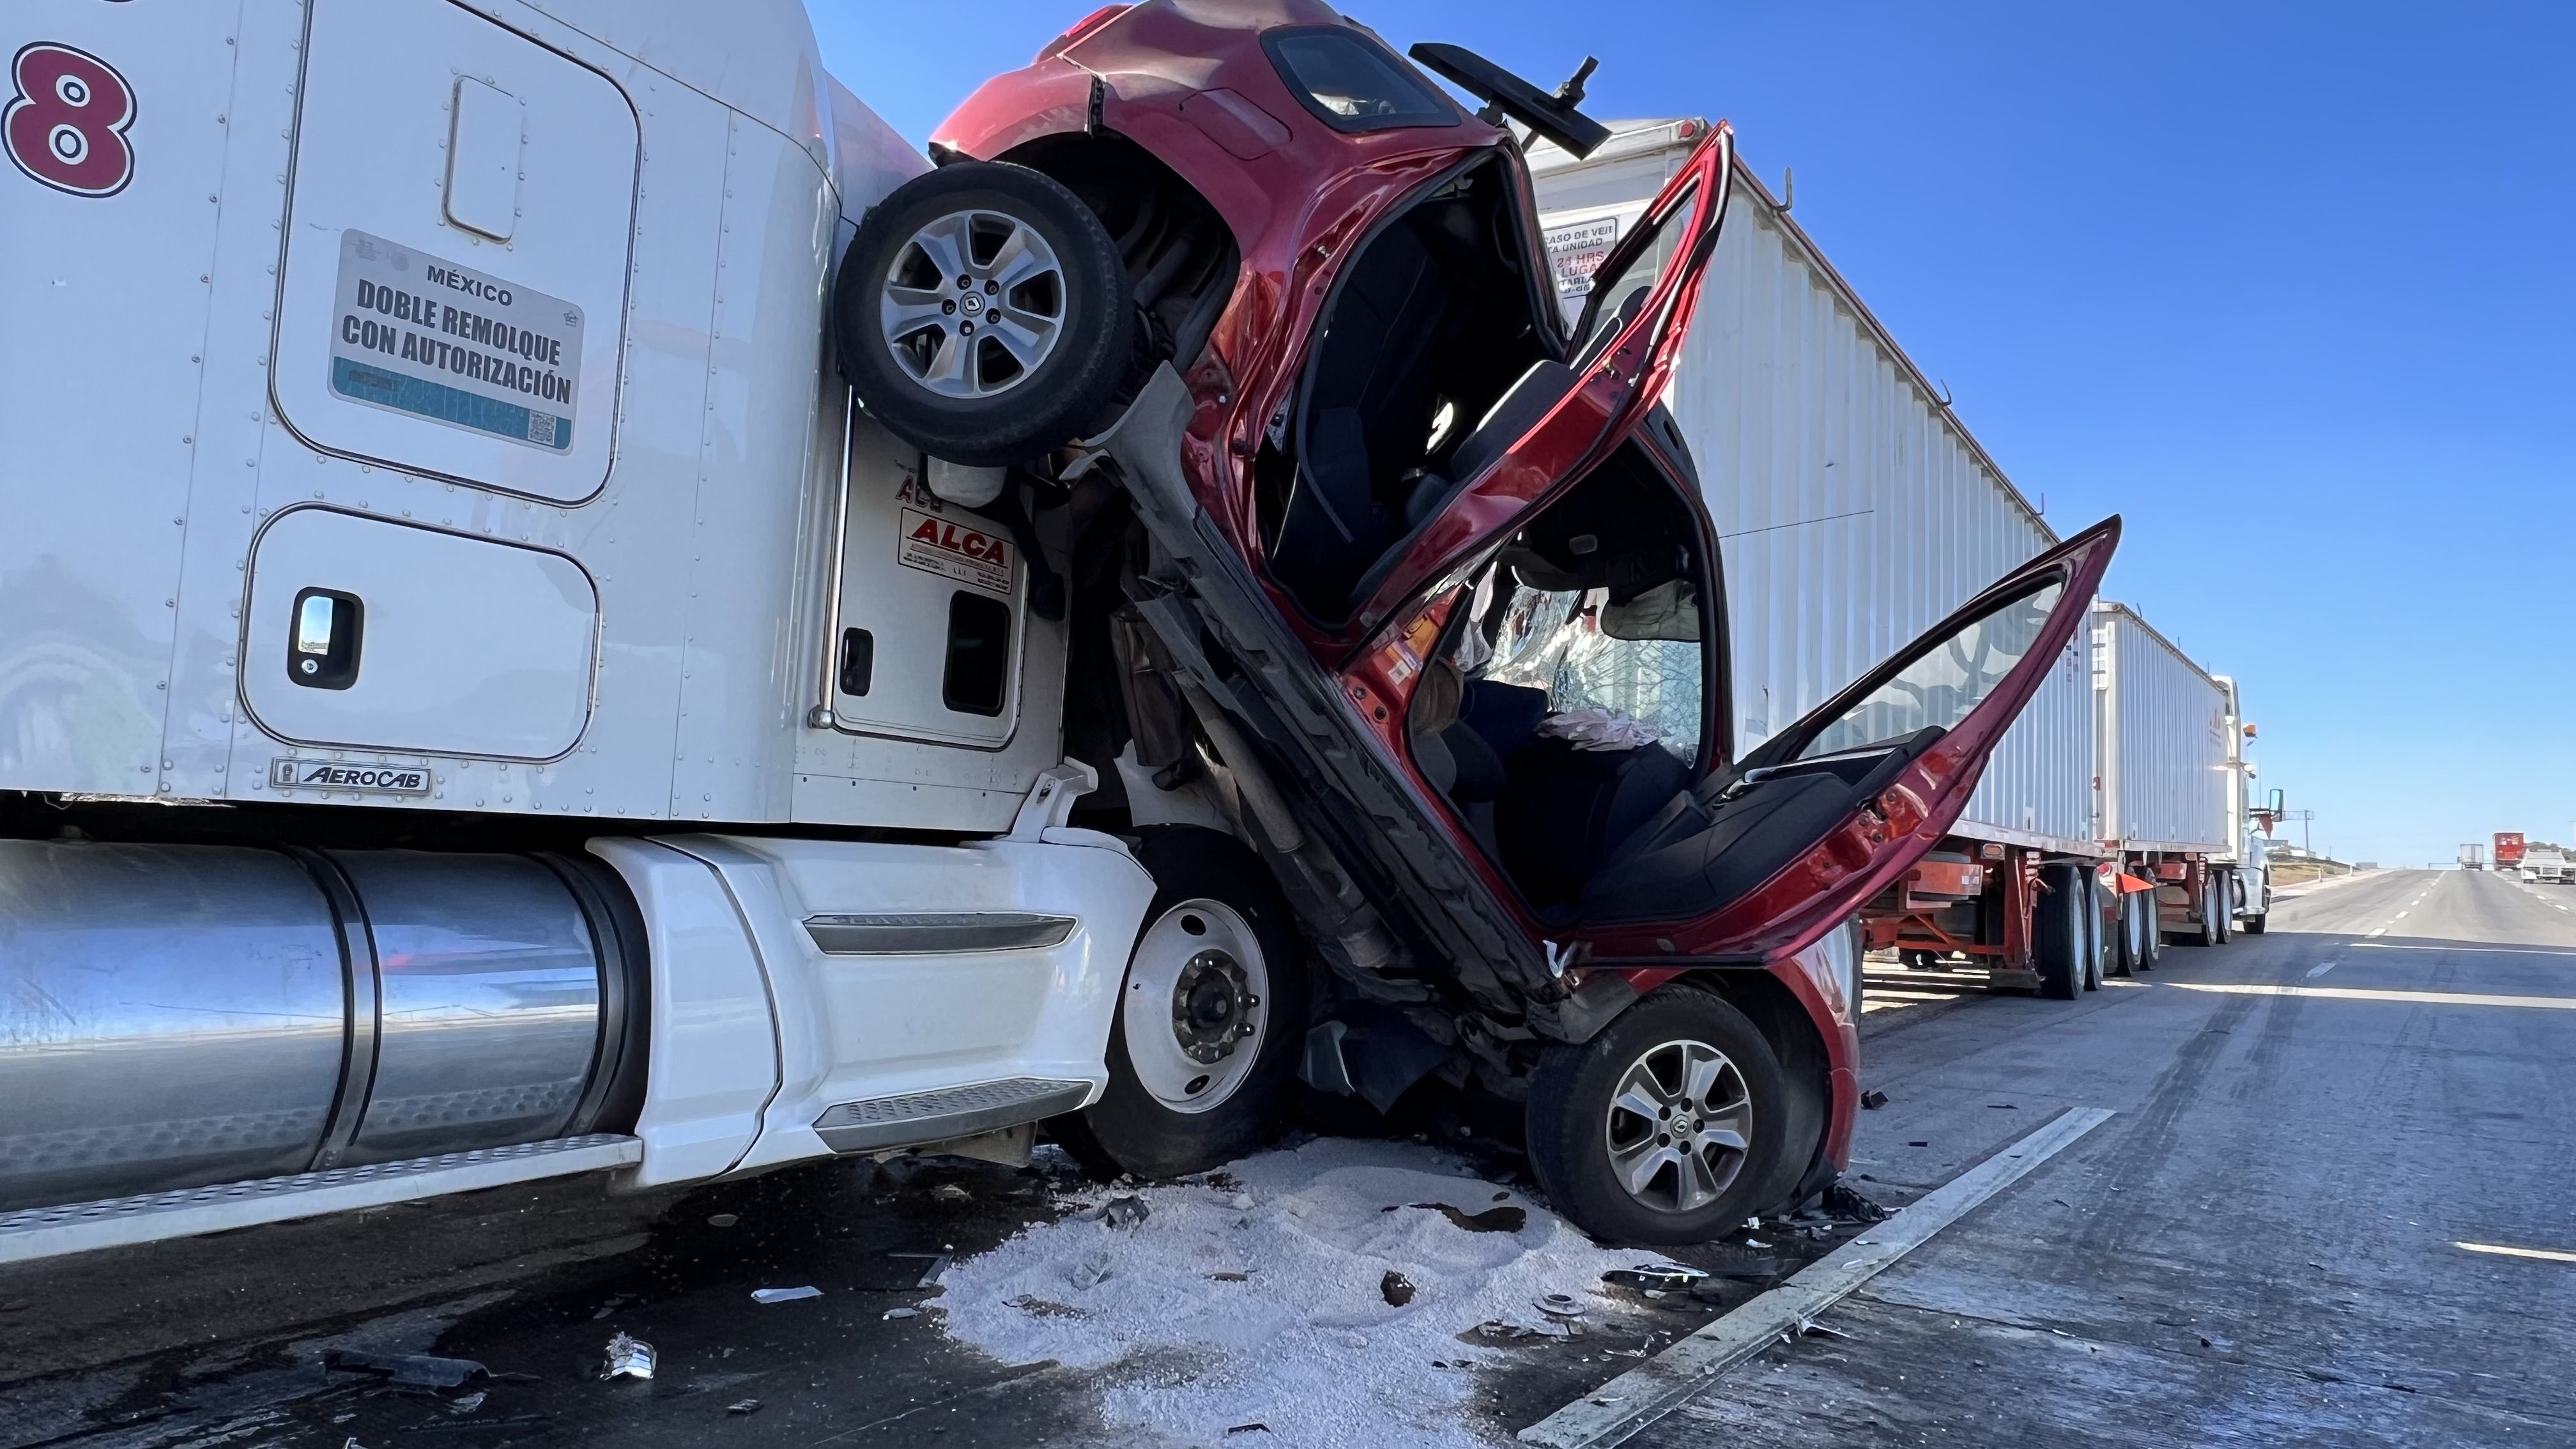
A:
x,y
1424,576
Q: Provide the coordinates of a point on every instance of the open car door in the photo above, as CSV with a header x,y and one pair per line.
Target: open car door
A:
x,y
1562,417
1762,858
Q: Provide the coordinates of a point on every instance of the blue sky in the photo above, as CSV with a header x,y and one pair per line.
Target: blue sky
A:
x,y
2287,285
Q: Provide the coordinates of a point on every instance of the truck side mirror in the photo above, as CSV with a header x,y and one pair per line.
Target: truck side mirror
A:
x,y
2272,805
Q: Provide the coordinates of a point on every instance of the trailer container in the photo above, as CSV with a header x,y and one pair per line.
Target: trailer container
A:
x,y
2162,776
2508,849
1853,509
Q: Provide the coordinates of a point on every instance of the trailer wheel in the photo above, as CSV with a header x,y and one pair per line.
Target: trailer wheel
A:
x,y
1210,1020
2151,931
2058,926
983,314
2205,931
2096,944
1666,1127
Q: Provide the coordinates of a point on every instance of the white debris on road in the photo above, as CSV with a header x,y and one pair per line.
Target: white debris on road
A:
x,y
1262,1301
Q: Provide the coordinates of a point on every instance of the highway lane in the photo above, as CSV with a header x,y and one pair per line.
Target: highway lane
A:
x,y
2339,1147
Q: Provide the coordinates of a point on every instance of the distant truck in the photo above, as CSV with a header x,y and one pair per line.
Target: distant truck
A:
x,y
2473,857
2242,873
2509,849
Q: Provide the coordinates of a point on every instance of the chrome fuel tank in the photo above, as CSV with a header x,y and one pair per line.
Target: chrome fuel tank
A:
x,y
177,1015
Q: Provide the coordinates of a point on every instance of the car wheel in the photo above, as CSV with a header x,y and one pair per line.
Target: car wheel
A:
x,y
982,314
1920,960
2058,933
1210,1018
2252,925
1667,1127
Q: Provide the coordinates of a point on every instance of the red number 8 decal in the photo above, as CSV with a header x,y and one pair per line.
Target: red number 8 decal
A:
x,y
66,125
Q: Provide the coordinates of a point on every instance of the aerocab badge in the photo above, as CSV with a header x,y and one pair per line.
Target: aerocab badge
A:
x,y
288,773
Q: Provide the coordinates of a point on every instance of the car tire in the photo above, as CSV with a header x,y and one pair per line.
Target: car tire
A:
x,y
1578,1135
1168,1118
2252,925
1026,250
2057,933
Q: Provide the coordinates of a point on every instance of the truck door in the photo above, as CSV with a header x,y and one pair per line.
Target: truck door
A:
x,y
1760,859
933,601
454,288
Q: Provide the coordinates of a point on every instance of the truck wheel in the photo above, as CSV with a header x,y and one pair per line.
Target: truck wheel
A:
x,y
1210,1019
2205,931
1667,1127
2223,891
982,313
2151,931
2097,943
2058,926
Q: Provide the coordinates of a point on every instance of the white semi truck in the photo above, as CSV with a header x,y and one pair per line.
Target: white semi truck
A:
x,y
476,703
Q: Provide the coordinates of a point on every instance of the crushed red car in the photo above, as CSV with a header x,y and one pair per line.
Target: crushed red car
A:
x,y
1417,583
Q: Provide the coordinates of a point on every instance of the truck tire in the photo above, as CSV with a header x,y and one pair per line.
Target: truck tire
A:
x,y
2204,932
1211,1017
2223,890
2097,941
982,314
2151,930
1626,1176
2058,933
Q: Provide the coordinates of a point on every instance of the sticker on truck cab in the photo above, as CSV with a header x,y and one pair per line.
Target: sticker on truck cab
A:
x,y
418,334
961,551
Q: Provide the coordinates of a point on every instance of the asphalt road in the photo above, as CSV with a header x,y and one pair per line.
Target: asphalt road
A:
x,y
2261,1247
2289,1233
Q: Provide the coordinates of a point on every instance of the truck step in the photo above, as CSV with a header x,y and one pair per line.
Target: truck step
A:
x,y
79,1227
910,1120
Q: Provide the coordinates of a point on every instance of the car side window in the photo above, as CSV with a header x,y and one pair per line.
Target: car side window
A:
x,y
1939,688
1617,297
1352,84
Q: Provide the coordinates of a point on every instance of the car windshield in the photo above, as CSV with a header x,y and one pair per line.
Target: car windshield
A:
x,y
1638,666
1353,85
1939,687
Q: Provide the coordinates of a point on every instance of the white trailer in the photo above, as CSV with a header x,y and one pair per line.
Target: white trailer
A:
x,y
2164,772
1855,508
477,702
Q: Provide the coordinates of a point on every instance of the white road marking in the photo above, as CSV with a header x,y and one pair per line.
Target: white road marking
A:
x,y
2321,970
2501,1251
2382,931
2355,993
1618,1409
2485,950
2401,915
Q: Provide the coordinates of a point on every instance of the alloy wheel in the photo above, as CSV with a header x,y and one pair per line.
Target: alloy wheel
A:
x,y
974,304
1679,1126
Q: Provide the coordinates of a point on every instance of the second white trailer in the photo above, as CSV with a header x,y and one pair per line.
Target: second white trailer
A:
x,y
2163,775
1854,510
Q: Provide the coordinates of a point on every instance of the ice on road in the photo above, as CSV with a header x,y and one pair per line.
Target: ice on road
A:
x,y
1255,1298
